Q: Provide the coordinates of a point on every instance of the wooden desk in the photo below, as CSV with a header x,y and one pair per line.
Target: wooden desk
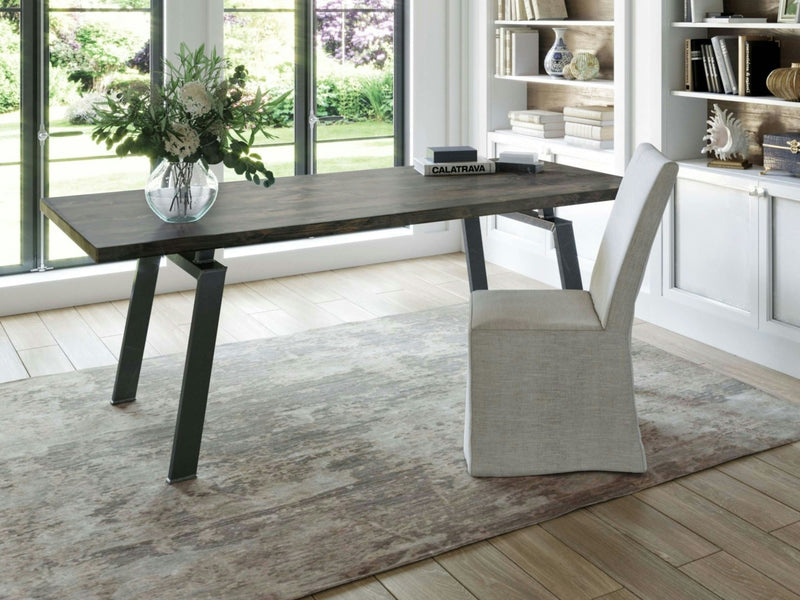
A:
x,y
120,226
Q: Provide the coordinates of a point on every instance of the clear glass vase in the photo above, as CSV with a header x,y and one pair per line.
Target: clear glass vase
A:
x,y
181,192
559,55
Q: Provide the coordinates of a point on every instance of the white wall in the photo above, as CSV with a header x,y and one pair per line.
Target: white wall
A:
x,y
435,103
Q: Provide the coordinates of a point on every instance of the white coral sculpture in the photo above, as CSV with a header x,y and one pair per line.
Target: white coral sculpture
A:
x,y
726,137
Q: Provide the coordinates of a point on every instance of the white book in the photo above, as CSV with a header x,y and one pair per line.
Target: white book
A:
x,y
525,53
594,144
722,67
540,134
599,112
588,121
536,116
591,132
429,168
554,126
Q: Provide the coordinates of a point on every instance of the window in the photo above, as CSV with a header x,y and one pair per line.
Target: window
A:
x,y
342,64
59,57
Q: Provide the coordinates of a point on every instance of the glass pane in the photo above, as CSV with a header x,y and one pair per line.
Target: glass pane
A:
x,y
10,199
355,83
91,53
262,39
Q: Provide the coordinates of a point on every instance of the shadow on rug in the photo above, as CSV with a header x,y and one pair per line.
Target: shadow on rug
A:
x,y
327,456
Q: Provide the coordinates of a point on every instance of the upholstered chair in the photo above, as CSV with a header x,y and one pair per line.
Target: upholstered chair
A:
x,y
550,382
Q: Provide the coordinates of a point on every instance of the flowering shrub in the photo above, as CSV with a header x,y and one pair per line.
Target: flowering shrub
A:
x,y
368,35
196,115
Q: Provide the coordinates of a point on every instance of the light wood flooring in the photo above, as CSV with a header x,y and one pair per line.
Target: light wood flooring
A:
x,y
730,532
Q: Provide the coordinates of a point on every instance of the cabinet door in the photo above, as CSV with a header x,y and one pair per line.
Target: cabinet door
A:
x,y
715,243
785,250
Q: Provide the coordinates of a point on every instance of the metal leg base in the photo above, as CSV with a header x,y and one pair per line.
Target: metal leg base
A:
x,y
473,248
210,277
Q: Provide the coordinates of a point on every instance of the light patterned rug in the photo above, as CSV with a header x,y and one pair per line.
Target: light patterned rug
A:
x,y
327,456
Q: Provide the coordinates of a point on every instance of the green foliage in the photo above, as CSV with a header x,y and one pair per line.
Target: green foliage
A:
x,y
197,115
378,91
9,67
90,49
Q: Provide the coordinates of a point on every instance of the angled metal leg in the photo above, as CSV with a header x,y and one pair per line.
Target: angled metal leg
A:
x,y
210,277
135,335
566,253
473,248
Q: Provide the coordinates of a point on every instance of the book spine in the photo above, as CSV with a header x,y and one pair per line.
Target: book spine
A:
x,y
501,13
588,113
538,126
519,115
747,78
687,64
507,43
462,168
588,121
720,64
591,132
537,133
529,10
726,58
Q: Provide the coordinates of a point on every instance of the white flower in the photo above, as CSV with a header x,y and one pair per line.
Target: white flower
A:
x,y
195,98
183,142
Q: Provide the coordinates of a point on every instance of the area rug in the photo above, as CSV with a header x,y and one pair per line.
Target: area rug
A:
x,y
327,456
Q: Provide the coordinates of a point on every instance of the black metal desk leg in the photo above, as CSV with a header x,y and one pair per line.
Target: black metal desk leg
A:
x,y
197,370
567,254
136,324
473,248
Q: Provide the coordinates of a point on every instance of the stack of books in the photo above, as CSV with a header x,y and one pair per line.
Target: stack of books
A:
x,y
589,126
453,160
537,123
731,64
529,10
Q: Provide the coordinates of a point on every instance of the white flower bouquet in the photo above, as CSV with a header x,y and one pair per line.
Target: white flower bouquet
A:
x,y
198,115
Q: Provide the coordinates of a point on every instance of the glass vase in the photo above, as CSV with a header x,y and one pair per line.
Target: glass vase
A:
x,y
180,192
558,56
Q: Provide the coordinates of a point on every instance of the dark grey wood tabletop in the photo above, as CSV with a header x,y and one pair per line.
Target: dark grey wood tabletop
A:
x,y
120,226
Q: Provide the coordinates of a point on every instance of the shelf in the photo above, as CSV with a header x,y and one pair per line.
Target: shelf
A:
x,y
552,23
594,83
768,100
774,26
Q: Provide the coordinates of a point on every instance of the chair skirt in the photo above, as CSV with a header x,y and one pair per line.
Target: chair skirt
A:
x,y
550,402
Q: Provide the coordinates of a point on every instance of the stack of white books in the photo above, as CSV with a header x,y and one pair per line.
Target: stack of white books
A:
x,y
537,123
589,126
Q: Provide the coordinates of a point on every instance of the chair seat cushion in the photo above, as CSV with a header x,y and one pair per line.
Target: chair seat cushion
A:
x,y
543,310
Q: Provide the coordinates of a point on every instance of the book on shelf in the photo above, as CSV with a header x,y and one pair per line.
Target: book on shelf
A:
x,y
761,57
712,76
735,19
525,52
556,133
584,143
726,51
517,51
694,71
554,126
451,154
701,8
477,167
591,132
549,9
536,116
596,122
742,66
590,111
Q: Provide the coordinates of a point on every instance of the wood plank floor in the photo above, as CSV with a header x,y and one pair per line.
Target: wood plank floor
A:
x,y
730,532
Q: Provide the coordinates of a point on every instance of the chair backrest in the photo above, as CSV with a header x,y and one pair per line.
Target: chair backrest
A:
x,y
629,235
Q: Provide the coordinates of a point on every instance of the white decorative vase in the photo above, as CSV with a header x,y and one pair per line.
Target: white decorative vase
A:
x,y
181,192
558,56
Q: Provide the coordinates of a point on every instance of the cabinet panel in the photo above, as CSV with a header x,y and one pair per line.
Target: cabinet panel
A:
x,y
785,252
706,262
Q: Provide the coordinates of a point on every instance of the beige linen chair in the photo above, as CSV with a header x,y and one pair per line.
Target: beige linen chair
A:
x,y
550,383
